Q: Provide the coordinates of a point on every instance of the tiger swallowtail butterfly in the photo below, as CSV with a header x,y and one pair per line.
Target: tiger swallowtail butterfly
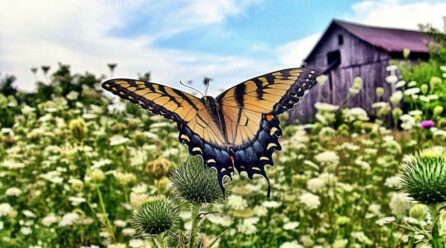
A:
x,y
237,130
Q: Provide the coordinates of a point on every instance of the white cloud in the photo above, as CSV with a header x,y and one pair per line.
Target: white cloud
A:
x,y
384,13
34,33
394,13
293,53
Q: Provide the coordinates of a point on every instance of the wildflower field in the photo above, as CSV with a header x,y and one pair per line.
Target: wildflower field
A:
x,y
76,171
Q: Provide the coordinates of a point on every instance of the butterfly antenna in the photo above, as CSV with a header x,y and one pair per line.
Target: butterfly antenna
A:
x,y
190,87
206,90
206,82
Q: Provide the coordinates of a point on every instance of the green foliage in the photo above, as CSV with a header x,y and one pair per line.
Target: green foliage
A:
x,y
335,183
429,76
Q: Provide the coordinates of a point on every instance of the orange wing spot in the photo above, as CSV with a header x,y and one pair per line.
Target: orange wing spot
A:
x,y
269,117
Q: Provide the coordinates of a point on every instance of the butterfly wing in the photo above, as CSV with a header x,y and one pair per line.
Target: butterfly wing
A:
x,y
197,126
249,113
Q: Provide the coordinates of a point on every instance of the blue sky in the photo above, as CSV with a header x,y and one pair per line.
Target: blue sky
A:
x,y
229,40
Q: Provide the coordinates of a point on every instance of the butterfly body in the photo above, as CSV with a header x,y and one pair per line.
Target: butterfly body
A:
x,y
236,131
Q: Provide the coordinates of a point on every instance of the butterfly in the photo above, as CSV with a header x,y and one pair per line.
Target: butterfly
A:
x,y
237,130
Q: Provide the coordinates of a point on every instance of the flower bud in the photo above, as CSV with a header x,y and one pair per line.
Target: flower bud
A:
x,y
158,168
397,113
78,129
97,175
379,91
438,110
434,82
321,80
195,183
154,217
418,211
424,89
406,53
396,97
424,176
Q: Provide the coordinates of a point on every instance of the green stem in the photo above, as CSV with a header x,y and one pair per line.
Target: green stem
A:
x,y
194,228
101,200
436,239
104,213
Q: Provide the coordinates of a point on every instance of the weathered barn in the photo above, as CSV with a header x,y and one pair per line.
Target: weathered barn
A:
x,y
348,50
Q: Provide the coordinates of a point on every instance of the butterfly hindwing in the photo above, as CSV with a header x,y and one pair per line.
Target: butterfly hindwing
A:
x,y
249,112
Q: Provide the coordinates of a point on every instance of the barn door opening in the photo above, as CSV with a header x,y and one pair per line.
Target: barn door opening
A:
x,y
333,59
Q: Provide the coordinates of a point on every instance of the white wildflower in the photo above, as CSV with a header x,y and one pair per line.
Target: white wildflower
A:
x,y
26,231
98,164
219,220
396,97
28,213
391,79
13,191
128,231
69,219
291,244
260,210
53,177
393,182
118,140
76,200
237,202
310,200
12,164
356,114
248,225
73,95
412,91
385,220
325,107
5,209
391,68
291,225
399,203
120,223
271,204
315,184
136,243
328,157
49,219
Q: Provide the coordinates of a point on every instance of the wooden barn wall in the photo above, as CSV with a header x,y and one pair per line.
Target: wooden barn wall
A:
x,y
358,59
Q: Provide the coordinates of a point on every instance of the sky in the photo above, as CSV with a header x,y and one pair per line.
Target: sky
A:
x,y
227,40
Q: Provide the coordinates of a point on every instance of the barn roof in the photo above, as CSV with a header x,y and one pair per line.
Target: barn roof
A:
x,y
388,39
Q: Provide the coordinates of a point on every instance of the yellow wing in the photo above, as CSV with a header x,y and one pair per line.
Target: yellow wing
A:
x,y
246,105
185,109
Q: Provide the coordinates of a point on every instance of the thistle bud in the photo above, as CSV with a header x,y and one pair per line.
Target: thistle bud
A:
x,y
195,183
154,217
424,176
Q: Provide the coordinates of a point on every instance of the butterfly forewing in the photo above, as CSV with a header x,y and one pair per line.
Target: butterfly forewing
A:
x,y
185,109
